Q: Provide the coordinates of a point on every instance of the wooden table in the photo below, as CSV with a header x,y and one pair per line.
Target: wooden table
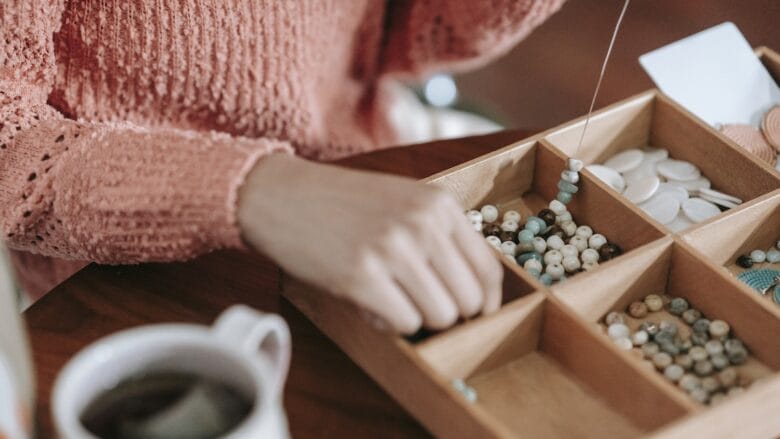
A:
x,y
327,395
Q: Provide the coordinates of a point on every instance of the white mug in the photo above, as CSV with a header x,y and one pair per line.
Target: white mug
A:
x,y
245,349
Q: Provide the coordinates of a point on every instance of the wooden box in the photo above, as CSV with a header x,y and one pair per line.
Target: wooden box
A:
x,y
542,366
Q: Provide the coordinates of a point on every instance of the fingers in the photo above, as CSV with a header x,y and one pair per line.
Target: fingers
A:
x,y
483,262
388,305
457,275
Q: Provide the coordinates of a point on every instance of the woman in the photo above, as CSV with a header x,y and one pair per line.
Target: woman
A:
x,y
143,130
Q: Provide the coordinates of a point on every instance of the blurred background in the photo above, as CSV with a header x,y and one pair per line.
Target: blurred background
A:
x,y
549,77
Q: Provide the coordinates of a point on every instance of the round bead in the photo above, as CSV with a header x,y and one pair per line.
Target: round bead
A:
x,y
703,368
596,241
570,176
698,353
512,215
649,327
720,361
719,328
589,256
614,317
555,271
654,302
701,325
609,251
640,338
555,242
507,236
565,186
540,244
474,216
569,250
590,266
510,225
669,347
678,305
668,326
533,264
710,384
563,218
555,230
571,264
773,256
691,315
553,257
509,248
494,242
714,347
733,344
674,372
728,377
700,395
564,197
684,360
569,228
523,257
661,360
699,338
649,349
525,237
618,330
758,256
637,310
557,207
689,382
489,213
744,261
579,243
491,229
737,356
584,232
548,216
546,279
574,165
624,343
533,227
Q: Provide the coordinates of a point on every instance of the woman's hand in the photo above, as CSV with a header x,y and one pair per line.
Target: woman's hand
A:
x,y
399,249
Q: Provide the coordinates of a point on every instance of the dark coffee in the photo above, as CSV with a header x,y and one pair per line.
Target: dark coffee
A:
x,y
166,405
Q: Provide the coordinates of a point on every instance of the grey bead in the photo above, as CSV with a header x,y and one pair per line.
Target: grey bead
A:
x,y
614,317
685,344
700,395
732,344
699,338
688,382
701,325
737,356
719,361
669,347
678,305
703,368
691,315
714,347
650,349
684,360
698,353
674,372
668,326
664,337
649,327
710,384
661,360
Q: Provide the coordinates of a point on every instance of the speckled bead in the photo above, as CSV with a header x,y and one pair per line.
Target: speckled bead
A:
x,y
596,241
555,271
733,344
678,305
609,251
758,256
589,266
720,361
570,176
489,213
565,186
589,255
649,349
673,372
654,302
637,310
525,237
670,347
710,384
564,197
494,242
737,356
649,327
614,317
563,218
512,215
701,325
691,315
698,353
474,216
574,165
719,328
510,225
569,228
548,216
554,242
533,264
491,229
728,377
662,360
624,343
668,326
557,207
688,382
699,338
546,279
714,347
553,257
639,338
744,261
684,360
703,368
579,243
571,264
523,257
540,244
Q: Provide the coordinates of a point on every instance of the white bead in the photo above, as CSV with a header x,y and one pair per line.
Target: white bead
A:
x,y
489,213
511,258
540,245
569,228
579,242
512,215
624,343
510,225
773,256
474,216
533,264
494,241
617,330
640,337
570,176
555,271
554,242
574,165
565,218
509,248
584,231
571,263
589,256
477,227
557,207
588,266
569,250
553,257
596,241
758,256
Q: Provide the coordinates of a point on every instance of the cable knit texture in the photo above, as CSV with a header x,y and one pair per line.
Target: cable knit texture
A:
x,y
126,127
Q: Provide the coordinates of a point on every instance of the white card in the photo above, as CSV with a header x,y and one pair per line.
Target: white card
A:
x,y
715,75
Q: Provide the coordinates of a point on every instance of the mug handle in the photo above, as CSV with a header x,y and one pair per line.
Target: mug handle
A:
x,y
254,332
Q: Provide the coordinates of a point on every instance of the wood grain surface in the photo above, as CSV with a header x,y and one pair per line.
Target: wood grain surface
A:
x,y
327,395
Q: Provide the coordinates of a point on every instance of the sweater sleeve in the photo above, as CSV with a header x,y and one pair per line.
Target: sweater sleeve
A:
x,y
427,36
105,192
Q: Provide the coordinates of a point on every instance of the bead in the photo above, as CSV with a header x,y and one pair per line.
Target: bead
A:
x,y
474,216
565,186
477,227
661,360
609,251
569,228
688,382
719,328
733,344
579,243
703,368
710,384
589,255
691,315
757,256
574,165
773,256
507,236
548,216
523,247
546,279
699,338
669,347
491,229
701,325
509,248
525,236
532,264
540,245
590,266
649,349
720,361
698,353
555,242
684,360
654,302
624,343
557,207
523,257
584,232
553,257
489,213
563,218
674,372
534,271
668,326
596,241
555,230
649,327
700,395
614,317
640,338
617,330
637,310
744,261
678,305
571,264
555,271
564,197
510,225
737,356
494,242
537,220
685,344
533,227
728,377
714,347
570,176
512,215
569,250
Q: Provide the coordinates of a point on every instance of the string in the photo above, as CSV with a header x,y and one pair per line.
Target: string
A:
x,y
601,76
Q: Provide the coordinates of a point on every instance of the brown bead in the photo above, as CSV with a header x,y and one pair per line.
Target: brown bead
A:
x,y
555,229
508,236
548,216
491,229
609,251
637,310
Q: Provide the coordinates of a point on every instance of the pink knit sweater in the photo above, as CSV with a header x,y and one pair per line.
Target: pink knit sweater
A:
x,y
127,126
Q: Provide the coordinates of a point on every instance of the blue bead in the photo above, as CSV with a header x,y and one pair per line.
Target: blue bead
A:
x,y
537,220
533,227
523,257
546,279
565,186
564,197
534,272
525,237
